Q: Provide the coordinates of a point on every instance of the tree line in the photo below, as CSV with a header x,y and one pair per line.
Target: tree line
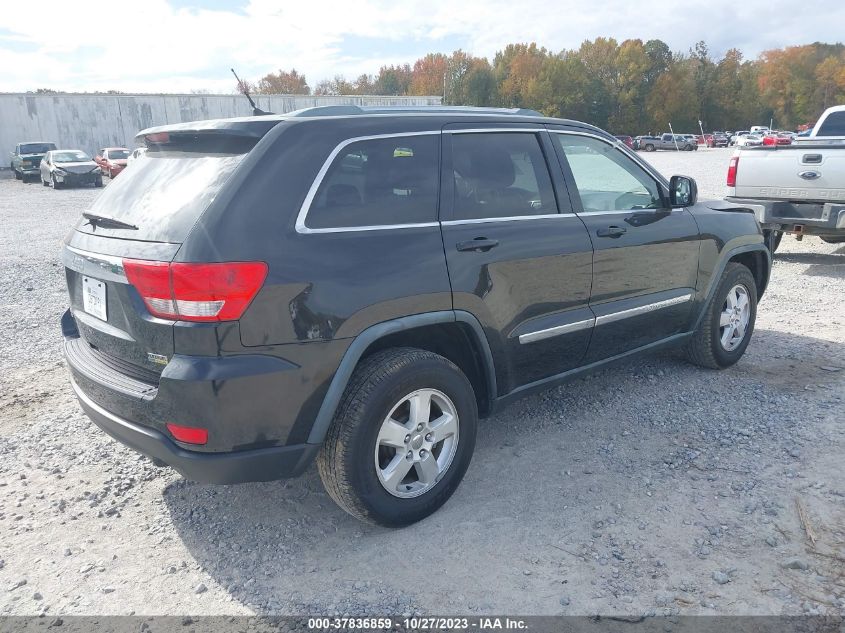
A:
x,y
632,87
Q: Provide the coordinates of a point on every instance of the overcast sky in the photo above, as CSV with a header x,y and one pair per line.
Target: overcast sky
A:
x,y
184,45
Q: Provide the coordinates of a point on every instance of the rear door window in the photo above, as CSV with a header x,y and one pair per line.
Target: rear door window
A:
x,y
389,181
499,175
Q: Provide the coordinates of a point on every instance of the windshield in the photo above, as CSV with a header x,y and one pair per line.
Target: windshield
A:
x,y
164,193
71,156
116,154
36,148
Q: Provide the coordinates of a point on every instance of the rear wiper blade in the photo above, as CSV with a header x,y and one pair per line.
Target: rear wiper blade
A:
x,y
107,222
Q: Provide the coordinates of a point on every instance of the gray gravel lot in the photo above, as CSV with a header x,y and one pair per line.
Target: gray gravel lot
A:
x,y
649,487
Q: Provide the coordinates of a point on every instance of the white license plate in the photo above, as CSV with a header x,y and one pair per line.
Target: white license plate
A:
x,y
94,297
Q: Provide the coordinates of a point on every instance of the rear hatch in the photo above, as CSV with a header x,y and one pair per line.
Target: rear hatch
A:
x,y
138,224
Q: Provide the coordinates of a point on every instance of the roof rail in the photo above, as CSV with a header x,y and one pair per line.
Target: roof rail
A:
x,y
349,110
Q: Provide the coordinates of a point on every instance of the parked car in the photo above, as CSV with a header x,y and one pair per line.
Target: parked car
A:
x,y
135,155
112,160
748,140
68,167
718,139
777,138
277,334
627,140
797,188
669,141
736,135
25,160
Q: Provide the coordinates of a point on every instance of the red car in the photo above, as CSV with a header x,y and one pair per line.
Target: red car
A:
x,y
627,140
777,139
112,160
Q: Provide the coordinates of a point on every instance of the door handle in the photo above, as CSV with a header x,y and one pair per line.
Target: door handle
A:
x,y
481,244
612,231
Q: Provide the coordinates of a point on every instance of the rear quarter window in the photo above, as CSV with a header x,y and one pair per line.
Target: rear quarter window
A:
x,y
379,182
833,125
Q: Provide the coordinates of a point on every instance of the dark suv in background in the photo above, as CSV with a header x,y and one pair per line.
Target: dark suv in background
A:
x,y
361,285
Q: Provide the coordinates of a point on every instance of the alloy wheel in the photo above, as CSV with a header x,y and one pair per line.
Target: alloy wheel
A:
x,y
416,443
734,319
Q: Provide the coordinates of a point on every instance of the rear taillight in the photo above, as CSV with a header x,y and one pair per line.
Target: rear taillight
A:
x,y
196,292
188,434
732,167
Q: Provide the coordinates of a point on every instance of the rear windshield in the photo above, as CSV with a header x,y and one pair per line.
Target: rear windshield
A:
x,y
833,125
118,153
163,193
36,148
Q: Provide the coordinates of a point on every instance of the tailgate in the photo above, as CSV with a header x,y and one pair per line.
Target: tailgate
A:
x,y
792,173
108,311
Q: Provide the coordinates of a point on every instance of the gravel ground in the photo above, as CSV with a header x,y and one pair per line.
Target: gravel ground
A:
x,y
652,487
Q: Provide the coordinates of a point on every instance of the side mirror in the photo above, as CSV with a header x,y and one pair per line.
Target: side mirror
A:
x,y
683,192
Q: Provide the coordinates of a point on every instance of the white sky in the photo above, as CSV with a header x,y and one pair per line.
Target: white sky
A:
x,y
184,45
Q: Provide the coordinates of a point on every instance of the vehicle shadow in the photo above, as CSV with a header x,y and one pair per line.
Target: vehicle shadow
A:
x,y
541,470
819,264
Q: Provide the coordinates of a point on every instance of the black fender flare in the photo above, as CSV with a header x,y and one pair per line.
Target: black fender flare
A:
x,y
375,332
719,270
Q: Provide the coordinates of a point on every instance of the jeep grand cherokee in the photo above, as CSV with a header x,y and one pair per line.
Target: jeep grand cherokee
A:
x,y
361,285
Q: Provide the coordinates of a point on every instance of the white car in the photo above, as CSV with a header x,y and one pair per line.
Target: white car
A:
x,y
748,140
136,154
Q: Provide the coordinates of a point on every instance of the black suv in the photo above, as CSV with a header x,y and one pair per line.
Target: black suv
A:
x,y
361,285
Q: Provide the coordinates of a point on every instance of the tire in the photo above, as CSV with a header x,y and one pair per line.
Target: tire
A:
x,y
706,348
56,185
98,182
772,238
44,182
18,175
354,461
833,240
649,147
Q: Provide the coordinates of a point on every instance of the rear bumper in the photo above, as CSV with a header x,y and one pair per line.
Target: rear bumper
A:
x,y
265,464
813,218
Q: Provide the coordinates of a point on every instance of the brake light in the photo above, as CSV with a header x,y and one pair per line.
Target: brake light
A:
x,y
196,292
188,434
732,167
158,138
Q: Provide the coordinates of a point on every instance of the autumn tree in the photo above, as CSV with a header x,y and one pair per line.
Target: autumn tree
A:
x,y
283,82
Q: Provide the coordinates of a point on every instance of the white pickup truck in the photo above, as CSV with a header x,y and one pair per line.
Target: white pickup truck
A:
x,y
799,188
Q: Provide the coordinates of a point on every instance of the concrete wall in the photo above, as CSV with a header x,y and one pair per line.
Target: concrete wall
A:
x,y
89,122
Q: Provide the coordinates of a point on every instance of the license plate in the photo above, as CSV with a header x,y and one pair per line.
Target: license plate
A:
x,y
94,297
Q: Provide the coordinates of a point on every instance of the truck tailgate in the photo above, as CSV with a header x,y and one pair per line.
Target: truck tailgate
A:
x,y
791,173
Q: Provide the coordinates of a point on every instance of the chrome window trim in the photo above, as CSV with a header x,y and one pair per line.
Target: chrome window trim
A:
x,y
482,130
539,335
619,146
510,218
649,307
300,225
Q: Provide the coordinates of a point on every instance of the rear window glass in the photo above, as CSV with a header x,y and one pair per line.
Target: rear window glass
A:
x,y
833,125
36,148
163,193
386,181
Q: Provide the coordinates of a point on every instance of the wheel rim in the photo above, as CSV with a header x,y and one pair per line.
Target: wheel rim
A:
x,y
734,319
416,443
